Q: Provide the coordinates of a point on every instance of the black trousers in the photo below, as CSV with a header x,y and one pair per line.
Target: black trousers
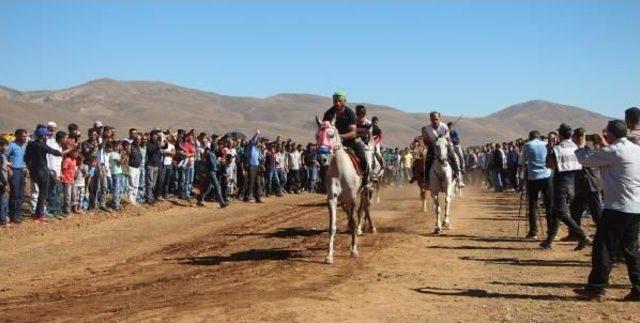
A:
x,y
41,176
616,230
585,199
253,187
534,188
358,148
563,194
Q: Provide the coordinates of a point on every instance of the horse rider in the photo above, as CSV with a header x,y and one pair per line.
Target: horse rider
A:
x,y
345,123
376,134
364,129
430,133
457,148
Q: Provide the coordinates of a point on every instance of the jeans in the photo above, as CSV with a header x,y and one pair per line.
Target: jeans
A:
x,y
118,185
68,194
81,197
167,181
215,186
563,189
150,181
182,181
616,229
498,180
16,196
157,191
190,174
98,187
4,208
134,182
141,183
294,175
54,201
534,187
273,180
312,177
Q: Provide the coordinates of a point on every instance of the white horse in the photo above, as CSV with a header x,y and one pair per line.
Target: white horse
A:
x,y
376,172
441,180
342,184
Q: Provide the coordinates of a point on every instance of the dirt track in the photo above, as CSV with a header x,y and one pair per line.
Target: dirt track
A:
x,y
254,262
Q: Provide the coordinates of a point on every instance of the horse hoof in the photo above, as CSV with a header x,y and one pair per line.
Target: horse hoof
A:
x,y
437,231
359,232
355,254
373,230
328,260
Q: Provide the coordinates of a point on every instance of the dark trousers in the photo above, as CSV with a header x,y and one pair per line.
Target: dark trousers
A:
x,y
585,199
16,196
563,189
41,177
159,187
167,180
534,188
358,148
294,179
616,230
253,188
214,186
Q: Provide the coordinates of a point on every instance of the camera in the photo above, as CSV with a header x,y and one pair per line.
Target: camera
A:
x,y
591,138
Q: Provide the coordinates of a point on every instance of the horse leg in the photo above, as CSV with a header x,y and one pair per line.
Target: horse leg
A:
x,y
423,197
361,213
354,235
447,207
378,191
436,206
367,212
333,206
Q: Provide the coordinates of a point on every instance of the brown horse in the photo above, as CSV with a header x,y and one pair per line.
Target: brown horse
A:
x,y
418,170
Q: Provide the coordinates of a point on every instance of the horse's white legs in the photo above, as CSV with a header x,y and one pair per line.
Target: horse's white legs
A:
x,y
333,205
367,212
447,207
361,213
458,187
351,209
436,206
424,204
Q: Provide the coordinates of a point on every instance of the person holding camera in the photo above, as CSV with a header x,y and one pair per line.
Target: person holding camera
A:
x,y
619,162
562,160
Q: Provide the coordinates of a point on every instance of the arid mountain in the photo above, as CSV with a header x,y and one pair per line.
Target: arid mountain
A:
x,y
148,105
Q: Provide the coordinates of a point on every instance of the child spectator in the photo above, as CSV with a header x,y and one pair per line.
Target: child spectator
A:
x,y
81,176
115,166
69,169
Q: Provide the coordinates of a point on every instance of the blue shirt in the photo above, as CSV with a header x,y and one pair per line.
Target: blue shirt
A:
x,y
253,153
535,157
15,153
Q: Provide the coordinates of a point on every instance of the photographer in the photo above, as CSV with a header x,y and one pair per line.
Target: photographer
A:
x,y
619,161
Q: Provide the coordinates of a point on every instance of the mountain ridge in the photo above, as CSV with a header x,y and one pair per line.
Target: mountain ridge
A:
x,y
147,104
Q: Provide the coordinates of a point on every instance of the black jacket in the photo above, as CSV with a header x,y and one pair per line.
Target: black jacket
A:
x,y
35,156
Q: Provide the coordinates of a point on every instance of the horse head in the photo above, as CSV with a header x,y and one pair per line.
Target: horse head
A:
x,y
441,149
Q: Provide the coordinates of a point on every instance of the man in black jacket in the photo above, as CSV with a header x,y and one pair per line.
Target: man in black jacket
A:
x,y
36,159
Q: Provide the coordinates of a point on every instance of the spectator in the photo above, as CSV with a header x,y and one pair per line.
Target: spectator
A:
x,y
632,119
538,180
68,180
116,161
35,158
253,188
619,161
15,155
54,207
4,184
588,187
154,162
565,165
211,164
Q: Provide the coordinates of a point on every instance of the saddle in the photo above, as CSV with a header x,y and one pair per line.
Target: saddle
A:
x,y
355,160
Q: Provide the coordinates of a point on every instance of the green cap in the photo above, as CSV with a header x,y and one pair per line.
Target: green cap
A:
x,y
340,95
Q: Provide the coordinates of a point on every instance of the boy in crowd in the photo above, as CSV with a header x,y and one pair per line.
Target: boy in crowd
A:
x,y
68,180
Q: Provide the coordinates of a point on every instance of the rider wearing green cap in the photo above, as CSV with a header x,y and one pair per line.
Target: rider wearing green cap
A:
x,y
345,122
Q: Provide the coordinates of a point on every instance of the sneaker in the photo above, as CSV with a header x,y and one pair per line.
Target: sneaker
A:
x,y
583,244
633,296
546,245
104,209
6,225
570,237
223,205
531,236
259,201
41,219
200,203
590,293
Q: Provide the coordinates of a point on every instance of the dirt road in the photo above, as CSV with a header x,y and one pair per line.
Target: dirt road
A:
x,y
254,262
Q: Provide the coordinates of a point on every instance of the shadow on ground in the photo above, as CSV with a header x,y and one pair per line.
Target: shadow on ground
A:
x,y
481,293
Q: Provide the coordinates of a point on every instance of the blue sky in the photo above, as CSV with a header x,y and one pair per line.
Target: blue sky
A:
x,y
461,57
